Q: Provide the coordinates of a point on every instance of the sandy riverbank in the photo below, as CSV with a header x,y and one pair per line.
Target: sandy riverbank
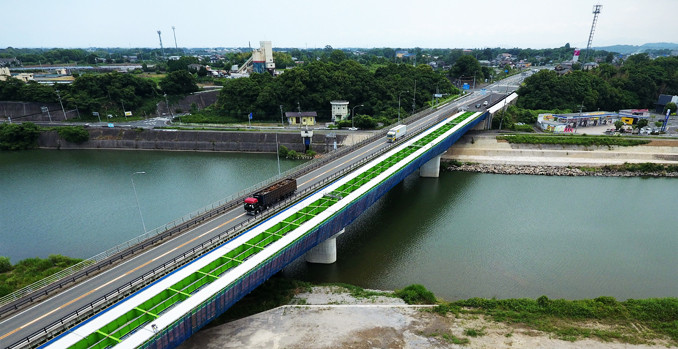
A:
x,y
328,317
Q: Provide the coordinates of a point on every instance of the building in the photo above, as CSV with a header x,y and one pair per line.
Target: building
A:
x,y
631,116
305,118
262,58
339,110
10,62
568,123
663,101
5,74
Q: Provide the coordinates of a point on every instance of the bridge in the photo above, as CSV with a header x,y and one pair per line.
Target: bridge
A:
x,y
243,252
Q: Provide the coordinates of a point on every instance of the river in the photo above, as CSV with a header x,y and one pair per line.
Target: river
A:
x,y
81,202
461,235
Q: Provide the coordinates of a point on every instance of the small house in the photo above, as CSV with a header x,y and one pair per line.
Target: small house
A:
x,y
305,118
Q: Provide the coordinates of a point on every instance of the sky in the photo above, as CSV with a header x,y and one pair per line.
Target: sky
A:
x,y
340,24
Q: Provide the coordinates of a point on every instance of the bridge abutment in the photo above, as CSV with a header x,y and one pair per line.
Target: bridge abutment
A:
x,y
325,252
431,168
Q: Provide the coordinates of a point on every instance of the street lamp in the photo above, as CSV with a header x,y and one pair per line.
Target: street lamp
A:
x,y
353,115
168,108
62,105
277,151
399,104
282,123
137,198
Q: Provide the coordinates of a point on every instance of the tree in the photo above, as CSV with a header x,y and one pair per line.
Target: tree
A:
x,y
181,63
642,123
18,136
618,125
202,72
179,82
670,105
466,65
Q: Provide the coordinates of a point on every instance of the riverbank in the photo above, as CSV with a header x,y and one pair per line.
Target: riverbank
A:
x,y
484,148
540,170
343,317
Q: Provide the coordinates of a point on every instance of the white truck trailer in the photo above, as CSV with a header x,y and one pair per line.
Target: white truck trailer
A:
x,y
396,133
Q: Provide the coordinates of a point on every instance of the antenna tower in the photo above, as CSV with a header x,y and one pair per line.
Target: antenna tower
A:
x,y
596,12
175,39
161,49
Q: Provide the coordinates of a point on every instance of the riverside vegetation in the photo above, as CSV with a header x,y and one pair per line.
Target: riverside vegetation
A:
x,y
28,271
25,135
573,140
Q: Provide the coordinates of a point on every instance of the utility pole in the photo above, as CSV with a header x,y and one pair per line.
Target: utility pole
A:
x,y
414,96
161,48
175,39
282,122
62,105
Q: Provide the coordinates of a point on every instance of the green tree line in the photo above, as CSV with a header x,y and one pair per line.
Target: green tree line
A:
x,y
311,87
636,84
104,93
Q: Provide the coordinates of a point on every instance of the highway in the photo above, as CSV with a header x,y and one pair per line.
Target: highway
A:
x,y
25,322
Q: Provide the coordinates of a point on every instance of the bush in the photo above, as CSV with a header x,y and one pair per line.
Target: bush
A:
x,y
19,136
282,151
416,294
73,134
5,264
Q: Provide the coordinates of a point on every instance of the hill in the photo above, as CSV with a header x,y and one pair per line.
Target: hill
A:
x,y
627,49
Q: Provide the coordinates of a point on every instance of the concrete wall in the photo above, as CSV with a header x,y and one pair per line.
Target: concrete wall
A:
x,y
201,100
30,111
107,138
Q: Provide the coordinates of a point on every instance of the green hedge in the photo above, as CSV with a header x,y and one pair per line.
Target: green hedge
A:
x,y
573,140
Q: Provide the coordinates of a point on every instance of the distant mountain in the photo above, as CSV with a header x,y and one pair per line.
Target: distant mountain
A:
x,y
627,49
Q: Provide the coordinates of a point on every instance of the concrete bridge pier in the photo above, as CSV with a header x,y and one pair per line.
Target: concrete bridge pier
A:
x,y
431,169
325,252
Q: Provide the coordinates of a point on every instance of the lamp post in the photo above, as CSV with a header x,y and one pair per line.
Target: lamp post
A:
x,y
62,105
137,198
353,115
282,123
277,151
399,93
168,108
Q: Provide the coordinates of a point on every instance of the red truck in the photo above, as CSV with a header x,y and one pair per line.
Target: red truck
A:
x,y
268,196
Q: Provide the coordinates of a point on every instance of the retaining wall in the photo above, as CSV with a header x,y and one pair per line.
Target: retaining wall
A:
x,y
142,139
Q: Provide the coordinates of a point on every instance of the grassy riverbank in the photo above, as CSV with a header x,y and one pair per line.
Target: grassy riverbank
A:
x,y
603,318
573,140
30,270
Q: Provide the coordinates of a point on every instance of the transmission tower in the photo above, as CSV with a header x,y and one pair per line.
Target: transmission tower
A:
x,y
596,12
175,39
161,49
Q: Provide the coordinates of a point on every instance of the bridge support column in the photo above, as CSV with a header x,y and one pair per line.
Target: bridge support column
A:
x,y
325,252
431,168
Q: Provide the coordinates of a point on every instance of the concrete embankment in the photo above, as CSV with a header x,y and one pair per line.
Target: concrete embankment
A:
x,y
484,148
143,139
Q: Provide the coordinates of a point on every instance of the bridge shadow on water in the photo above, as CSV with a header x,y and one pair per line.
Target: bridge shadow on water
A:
x,y
386,234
